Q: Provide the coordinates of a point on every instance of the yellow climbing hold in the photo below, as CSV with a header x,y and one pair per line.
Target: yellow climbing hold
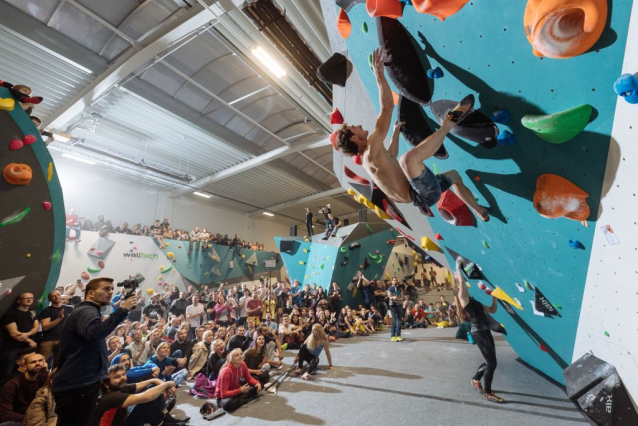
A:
x,y
301,262
50,172
428,244
501,295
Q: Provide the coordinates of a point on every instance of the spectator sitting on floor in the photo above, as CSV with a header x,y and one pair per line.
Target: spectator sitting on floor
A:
x,y
230,395
239,340
310,351
181,347
136,374
256,361
17,393
201,351
290,336
167,365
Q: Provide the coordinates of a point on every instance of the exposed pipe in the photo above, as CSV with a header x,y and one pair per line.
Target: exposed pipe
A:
x,y
307,27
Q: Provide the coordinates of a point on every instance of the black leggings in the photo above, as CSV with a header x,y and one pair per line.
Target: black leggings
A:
x,y
309,228
485,343
231,404
305,355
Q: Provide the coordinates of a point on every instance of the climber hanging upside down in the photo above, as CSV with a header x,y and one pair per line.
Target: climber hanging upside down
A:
x,y
422,187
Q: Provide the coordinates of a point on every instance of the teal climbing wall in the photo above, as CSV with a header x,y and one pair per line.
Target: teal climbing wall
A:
x,y
483,50
322,259
200,268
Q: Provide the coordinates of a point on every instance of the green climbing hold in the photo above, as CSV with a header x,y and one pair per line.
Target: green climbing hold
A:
x,y
485,244
557,306
559,127
435,169
17,218
368,228
528,285
343,249
322,265
606,334
93,270
364,27
56,256
165,270
370,61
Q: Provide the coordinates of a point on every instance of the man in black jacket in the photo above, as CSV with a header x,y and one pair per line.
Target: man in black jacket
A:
x,y
83,358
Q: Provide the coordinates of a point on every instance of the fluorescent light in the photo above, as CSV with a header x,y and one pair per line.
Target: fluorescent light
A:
x,y
201,194
268,214
59,136
269,62
76,158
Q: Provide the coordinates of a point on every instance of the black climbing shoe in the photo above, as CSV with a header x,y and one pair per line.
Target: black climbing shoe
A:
x,y
462,109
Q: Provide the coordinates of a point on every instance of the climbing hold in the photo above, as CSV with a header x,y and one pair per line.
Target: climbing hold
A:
x,y
17,174
481,285
390,211
364,27
561,126
243,256
606,334
361,267
453,210
557,306
7,104
46,205
170,255
357,159
166,244
343,249
174,260
15,144
83,275
440,8
520,288
576,245
626,86
555,196
417,125
215,271
93,270
435,73
160,278
468,285
542,348
305,250
391,242
368,228
502,116
336,117
485,244
49,172
528,285
562,29
407,74
323,265
15,219
387,8
352,175
366,263
475,127
428,244
501,295
438,236
29,139
301,262
134,248
489,292
355,246
335,70
345,261
435,169
99,253
506,138
543,305
343,24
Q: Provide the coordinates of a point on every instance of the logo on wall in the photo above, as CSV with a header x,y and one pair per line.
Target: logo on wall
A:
x,y
149,256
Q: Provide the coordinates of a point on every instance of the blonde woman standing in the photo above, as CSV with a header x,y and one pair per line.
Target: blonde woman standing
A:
x,y
311,349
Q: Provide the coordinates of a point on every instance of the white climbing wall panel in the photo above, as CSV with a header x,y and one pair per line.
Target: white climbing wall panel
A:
x,y
608,325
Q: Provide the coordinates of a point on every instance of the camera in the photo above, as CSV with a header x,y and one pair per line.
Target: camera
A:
x,y
131,284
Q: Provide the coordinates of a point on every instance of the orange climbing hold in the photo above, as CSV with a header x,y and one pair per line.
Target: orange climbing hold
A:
x,y
439,8
343,24
555,196
453,210
387,8
395,98
17,174
562,29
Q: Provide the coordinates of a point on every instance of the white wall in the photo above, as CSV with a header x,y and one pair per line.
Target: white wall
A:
x,y
93,193
610,302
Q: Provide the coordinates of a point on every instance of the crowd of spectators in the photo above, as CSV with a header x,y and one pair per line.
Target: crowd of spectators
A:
x,y
198,238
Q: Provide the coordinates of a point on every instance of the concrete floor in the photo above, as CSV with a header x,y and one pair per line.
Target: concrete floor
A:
x,y
422,380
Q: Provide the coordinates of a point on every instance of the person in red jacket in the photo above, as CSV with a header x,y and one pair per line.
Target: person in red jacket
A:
x,y
73,223
230,395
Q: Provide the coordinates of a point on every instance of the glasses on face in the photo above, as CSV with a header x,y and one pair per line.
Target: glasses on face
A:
x,y
26,298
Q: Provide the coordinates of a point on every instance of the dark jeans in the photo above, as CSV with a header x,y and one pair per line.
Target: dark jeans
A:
x,y
397,314
306,356
151,412
309,229
231,404
77,230
382,307
485,343
76,406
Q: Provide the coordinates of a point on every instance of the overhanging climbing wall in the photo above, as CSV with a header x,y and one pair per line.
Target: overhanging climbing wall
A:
x,y
483,50
360,247
32,215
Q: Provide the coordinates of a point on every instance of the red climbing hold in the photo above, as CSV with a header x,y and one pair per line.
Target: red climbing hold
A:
x,y
411,238
477,178
488,292
438,236
542,348
376,251
357,159
360,266
481,285
391,242
100,264
355,177
29,139
333,140
336,117
15,144
387,207
46,205
453,210
343,24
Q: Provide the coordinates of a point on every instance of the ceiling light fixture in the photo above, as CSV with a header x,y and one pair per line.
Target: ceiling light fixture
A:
x,y
76,158
202,194
269,62
268,214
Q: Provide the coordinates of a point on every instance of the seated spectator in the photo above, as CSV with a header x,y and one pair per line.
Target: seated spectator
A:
x,y
136,374
256,361
167,365
165,224
86,225
230,395
181,347
99,223
137,229
201,351
216,359
204,237
140,349
146,231
147,405
270,323
310,351
73,224
41,411
156,232
17,393
123,229
239,340
290,336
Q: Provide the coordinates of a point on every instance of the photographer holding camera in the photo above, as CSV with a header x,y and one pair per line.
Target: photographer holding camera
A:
x,y
83,360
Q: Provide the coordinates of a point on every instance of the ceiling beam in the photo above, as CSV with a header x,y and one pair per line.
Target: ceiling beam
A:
x,y
304,200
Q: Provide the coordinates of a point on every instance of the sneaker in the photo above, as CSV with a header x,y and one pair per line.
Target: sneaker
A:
x,y
394,339
399,339
462,109
284,346
477,385
493,398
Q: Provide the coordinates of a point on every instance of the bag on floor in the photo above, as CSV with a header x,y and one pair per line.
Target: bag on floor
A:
x,y
203,388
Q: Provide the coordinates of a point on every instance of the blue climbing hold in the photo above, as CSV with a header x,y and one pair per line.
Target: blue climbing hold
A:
x,y
575,244
506,138
435,73
502,116
626,86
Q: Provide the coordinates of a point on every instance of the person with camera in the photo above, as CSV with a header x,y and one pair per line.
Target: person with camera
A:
x,y
83,359
133,404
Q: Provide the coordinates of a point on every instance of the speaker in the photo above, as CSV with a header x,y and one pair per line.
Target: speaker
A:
x,y
346,222
293,231
363,215
596,388
285,246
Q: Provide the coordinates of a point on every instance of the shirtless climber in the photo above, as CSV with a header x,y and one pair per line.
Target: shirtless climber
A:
x,y
422,187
